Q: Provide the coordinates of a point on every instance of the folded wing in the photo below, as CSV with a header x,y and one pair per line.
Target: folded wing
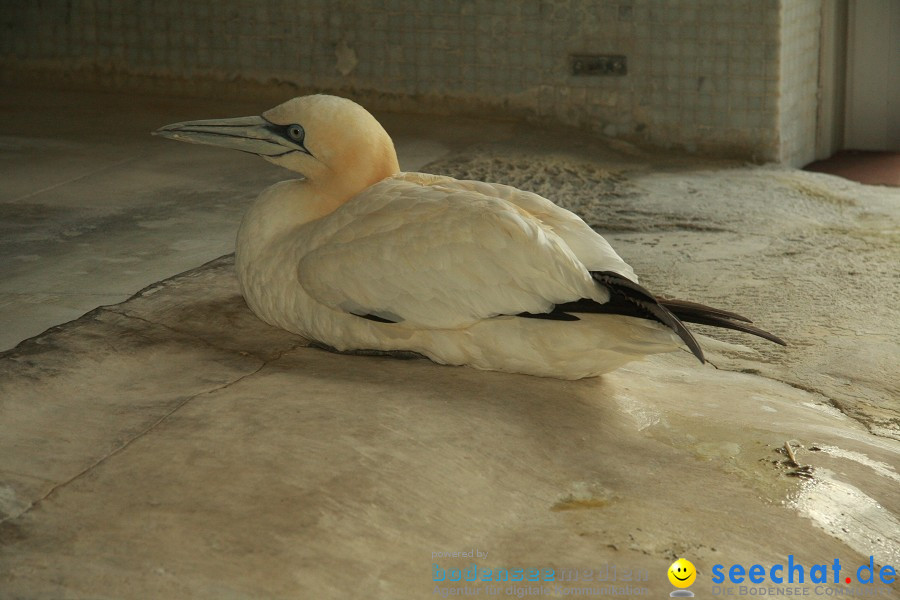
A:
x,y
591,248
441,256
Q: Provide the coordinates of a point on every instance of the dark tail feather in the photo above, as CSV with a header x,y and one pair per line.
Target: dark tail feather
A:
x,y
632,300
675,311
684,308
638,297
706,315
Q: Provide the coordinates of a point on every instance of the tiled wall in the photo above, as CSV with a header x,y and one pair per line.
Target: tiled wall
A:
x,y
703,75
801,20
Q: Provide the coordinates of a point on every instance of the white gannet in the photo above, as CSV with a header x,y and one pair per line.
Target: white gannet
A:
x,y
358,256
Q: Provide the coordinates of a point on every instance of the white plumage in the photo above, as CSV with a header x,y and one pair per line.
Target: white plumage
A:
x,y
359,256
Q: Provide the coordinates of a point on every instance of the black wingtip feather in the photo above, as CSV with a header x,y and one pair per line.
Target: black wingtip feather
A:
x,y
683,308
640,297
744,327
694,312
375,318
555,315
630,299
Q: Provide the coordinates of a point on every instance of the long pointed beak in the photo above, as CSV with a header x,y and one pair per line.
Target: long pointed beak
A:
x,y
247,134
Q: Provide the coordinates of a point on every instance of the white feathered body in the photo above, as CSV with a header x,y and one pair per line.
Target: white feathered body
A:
x,y
451,262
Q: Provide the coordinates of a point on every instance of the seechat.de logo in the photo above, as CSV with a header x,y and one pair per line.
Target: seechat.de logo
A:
x,y
794,572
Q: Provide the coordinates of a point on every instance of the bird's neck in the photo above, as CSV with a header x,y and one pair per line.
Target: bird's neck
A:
x,y
278,210
287,205
331,189
284,207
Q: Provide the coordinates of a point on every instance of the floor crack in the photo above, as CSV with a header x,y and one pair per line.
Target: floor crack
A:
x,y
168,328
153,426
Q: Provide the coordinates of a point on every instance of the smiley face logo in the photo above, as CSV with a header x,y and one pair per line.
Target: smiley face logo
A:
x,y
682,573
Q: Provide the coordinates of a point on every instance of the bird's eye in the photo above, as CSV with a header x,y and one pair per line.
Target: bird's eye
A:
x,y
296,133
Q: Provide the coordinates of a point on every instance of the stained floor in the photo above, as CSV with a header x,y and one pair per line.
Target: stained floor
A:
x,y
172,445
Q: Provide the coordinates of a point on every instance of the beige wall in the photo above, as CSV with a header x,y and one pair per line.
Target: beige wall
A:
x,y
799,63
873,75
710,76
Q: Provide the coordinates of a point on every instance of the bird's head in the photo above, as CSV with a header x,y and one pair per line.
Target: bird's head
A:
x,y
331,141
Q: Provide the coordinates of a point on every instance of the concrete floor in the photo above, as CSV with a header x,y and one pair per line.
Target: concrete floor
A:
x,y
175,446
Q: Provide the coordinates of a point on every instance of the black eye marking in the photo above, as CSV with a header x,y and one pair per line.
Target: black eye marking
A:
x,y
294,133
